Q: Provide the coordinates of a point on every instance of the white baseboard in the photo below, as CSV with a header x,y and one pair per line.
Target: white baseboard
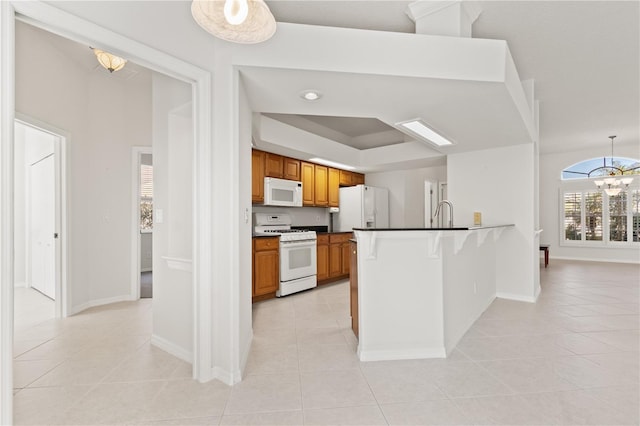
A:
x,y
171,348
99,302
390,355
225,376
582,259
20,285
516,297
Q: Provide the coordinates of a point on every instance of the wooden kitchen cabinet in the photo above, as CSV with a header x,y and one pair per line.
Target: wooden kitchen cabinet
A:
x,y
345,178
273,165
257,176
321,186
348,178
266,267
357,179
307,173
334,187
353,285
335,249
322,257
346,257
291,169
335,260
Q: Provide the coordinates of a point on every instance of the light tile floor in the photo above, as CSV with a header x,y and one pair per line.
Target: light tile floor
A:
x,y
571,358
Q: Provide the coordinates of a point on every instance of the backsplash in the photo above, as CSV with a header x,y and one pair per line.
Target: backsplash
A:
x,y
300,216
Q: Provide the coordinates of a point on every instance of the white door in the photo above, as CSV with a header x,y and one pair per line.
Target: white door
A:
x,y
42,225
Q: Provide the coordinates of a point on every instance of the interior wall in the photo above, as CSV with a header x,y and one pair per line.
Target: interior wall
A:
x,y
245,292
173,215
471,184
105,117
406,193
551,166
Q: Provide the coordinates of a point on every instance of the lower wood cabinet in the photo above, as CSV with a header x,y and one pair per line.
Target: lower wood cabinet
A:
x,y
266,268
333,257
322,257
353,285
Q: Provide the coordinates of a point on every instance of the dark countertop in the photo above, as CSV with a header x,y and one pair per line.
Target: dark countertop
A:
x,y
264,236
461,228
334,232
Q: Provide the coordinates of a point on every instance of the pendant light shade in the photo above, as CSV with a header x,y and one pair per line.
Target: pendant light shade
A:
x,y
238,21
613,185
109,61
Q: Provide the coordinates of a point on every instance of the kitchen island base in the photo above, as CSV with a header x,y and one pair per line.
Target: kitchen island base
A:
x,y
419,291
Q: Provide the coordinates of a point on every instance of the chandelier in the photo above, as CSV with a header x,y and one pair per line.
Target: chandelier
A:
x,y
613,184
238,21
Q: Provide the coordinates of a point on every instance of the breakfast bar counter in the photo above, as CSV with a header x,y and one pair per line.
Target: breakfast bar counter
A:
x,y
420,289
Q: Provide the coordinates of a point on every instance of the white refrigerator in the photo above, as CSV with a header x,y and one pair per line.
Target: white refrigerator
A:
x,y
362,206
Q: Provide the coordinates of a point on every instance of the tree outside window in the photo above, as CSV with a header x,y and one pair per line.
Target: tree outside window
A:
x,y
146,197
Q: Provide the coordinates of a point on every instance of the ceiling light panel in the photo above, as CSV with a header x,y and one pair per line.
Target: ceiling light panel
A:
x,y
420,130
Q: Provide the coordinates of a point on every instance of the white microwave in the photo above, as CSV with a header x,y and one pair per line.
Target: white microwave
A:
x,y
282,192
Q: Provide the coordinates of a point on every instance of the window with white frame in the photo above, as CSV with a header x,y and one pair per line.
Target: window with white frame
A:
x,y
591,217
146,197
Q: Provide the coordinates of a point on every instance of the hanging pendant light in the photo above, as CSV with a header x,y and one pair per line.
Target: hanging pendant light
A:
x,y
613,184
109,61
238,21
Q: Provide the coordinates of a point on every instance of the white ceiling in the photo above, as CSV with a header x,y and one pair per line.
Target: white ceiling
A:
x,y
583,56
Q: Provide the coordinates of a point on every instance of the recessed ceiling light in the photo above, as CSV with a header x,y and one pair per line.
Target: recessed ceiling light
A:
x,y
331,163
419,129
310,95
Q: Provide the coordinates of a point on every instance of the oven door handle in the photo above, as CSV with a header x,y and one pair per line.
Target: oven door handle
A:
x,y
300,243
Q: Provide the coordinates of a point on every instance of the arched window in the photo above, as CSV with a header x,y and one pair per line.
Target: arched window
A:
x,y
592,214
598,167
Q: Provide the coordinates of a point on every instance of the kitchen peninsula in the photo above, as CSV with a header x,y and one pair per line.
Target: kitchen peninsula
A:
x,y
417,291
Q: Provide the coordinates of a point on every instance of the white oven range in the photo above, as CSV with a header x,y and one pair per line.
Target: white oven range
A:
x,y
298,268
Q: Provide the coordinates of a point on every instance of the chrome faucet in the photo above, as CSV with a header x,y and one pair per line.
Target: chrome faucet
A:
x,y
435,215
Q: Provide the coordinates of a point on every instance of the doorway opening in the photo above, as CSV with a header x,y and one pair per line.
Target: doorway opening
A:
x,y
142,159
39,238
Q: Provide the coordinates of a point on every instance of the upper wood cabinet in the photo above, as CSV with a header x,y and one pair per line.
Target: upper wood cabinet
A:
x,y
348,178
291,169
334,187
273,165
320,184
357,178
307,174
257,176
345,178
321,189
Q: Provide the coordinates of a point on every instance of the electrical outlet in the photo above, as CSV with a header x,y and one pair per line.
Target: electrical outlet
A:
x,y
318,219
475,287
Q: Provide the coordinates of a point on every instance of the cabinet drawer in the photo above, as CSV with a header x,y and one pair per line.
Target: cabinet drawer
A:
x,y
339,238
266,244
323,239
